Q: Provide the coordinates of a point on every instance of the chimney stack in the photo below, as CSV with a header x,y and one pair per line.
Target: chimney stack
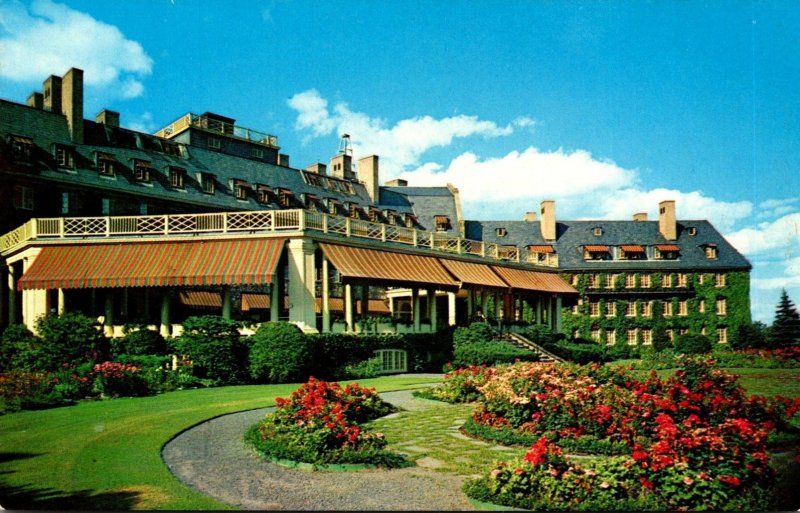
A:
x,y
640,216
52,94
108,118
283,160
397,182
72,103
548,224
36,100
342,166
368,174
529,217
318,168
667,224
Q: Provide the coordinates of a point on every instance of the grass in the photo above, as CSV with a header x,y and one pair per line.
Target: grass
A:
x,y
107,454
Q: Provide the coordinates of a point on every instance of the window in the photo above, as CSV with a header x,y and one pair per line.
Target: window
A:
x,y
207,183
285,197
666,281
722,306
611,337
574,280
610,280
177,177
595,333
576,309
594,309
596,253
575,334
214,143
683,331
442,223
611,309
257,153
141,170
21,148
630,309
374,214
500,232
666,308
722,335
683,308
671,335
701,278
719,280
647,309
592,281
263,193
711,251
692,231
703,331
632,252
23,197
701,306
411,220
171,148
106,163
597,231
647,337
65,156
354,210
630,281
240,188
666,252
683,280
631,336
391,217
645,281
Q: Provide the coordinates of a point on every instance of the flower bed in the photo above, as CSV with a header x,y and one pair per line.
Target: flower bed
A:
x,y
692,440
322,423
460,385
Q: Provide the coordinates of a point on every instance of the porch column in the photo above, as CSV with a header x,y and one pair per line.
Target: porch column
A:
x,y
484,303
451,308
12,295
62,302
166,328
557,315
415,310
326,296
226,301
302,300
470,304
35,302
348,307
364,301
108,310
433,313
538,309
275,299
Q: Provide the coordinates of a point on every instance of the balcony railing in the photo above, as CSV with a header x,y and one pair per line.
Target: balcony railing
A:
x,y
262,221
217,126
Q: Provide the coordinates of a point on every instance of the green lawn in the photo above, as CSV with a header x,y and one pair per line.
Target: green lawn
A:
x,y
107,454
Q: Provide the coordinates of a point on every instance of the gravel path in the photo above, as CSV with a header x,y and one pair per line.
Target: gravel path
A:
x,y
213,459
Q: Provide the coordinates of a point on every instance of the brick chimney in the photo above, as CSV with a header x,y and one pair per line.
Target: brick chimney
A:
x,y
318,168
368,173
108,118
529,217
36,100
51,89
640,216
397,182
667,224
72,103
548,224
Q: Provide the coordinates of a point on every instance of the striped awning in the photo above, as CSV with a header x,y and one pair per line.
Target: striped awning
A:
x,y
374,306
667,247
255,302
534,280
154,264
596,249
387,266
473,274
200,299
542,248
632,248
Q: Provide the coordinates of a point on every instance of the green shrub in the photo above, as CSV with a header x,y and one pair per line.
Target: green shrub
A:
x,y
693,344
279,353
138,340
68,338
540,334
477,332
490,353
749,336
113,379
366,369
215,349
660,339
19,348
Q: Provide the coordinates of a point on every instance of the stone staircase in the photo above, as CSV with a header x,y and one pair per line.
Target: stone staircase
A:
x,y
525,343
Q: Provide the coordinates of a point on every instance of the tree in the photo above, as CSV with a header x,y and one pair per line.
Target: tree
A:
x,y
786,327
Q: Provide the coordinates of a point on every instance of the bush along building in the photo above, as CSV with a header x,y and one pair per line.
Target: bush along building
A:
x,y
635,278
206,216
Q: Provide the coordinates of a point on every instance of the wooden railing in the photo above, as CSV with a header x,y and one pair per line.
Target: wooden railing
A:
x,y
261,221
217,126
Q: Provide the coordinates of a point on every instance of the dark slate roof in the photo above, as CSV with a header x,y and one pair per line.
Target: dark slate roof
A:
x,y
47,128
425,203
573,235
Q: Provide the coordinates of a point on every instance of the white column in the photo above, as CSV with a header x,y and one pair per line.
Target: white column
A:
x,y
433,313
275,298
108,323
326,304
302,301
166,327
35,302
415,310
226,302
12,295
62,302
451,308
348,307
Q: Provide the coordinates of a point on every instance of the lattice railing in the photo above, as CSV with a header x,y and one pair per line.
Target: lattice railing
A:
x,y
263,221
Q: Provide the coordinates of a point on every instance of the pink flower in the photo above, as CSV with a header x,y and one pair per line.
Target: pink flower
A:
x,y
688,481
604,485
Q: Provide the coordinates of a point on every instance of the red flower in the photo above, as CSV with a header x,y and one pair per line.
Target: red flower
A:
x,y
730,480
646,483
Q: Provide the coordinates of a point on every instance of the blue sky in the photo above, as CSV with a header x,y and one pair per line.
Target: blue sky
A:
x,y
606,107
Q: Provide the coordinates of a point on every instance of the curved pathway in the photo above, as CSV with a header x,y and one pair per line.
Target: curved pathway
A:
x,y
212,458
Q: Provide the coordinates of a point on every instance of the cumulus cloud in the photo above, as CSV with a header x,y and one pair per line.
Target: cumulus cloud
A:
x,y
781,233
52,37
400,146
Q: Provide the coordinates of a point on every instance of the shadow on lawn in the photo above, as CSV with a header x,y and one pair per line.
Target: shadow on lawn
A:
x,y
38,498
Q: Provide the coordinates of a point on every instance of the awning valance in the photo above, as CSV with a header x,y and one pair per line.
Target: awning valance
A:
x,y
534,280
155,264
541,248
667,247
200,299
596,249
632,248
473,274
374,306
387,266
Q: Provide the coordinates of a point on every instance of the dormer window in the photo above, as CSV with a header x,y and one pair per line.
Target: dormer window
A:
x,y
596,253
411,220
711,251
692,231
391,216
214,143
285,197
597,231
207,183
374,214
667,252
21,148
632,252
106,163
354,210
171,148
263,193
240,188
65,156
309,200
442,223
177,177
332,205
500,232
141,170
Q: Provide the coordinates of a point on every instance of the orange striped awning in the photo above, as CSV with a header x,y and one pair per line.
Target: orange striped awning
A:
x,y
473,274
632,248
200,299
667,247
545,248
534,280
387,265
155,264
596,249
255,302
374,306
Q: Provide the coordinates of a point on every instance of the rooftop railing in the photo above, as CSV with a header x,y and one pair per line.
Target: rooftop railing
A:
x,y
217,126
262,221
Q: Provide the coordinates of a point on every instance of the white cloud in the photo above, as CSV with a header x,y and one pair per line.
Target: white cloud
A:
x,y
143,124
399,146
773,208
52,38
769,236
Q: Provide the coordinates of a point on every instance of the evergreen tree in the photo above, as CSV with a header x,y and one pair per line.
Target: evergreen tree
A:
x,y
786,327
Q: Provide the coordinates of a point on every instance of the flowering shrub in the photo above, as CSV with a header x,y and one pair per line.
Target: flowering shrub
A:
x,y
461,385
113,379
322,423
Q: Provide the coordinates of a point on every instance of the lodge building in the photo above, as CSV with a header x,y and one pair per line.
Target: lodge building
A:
x,y
205,216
